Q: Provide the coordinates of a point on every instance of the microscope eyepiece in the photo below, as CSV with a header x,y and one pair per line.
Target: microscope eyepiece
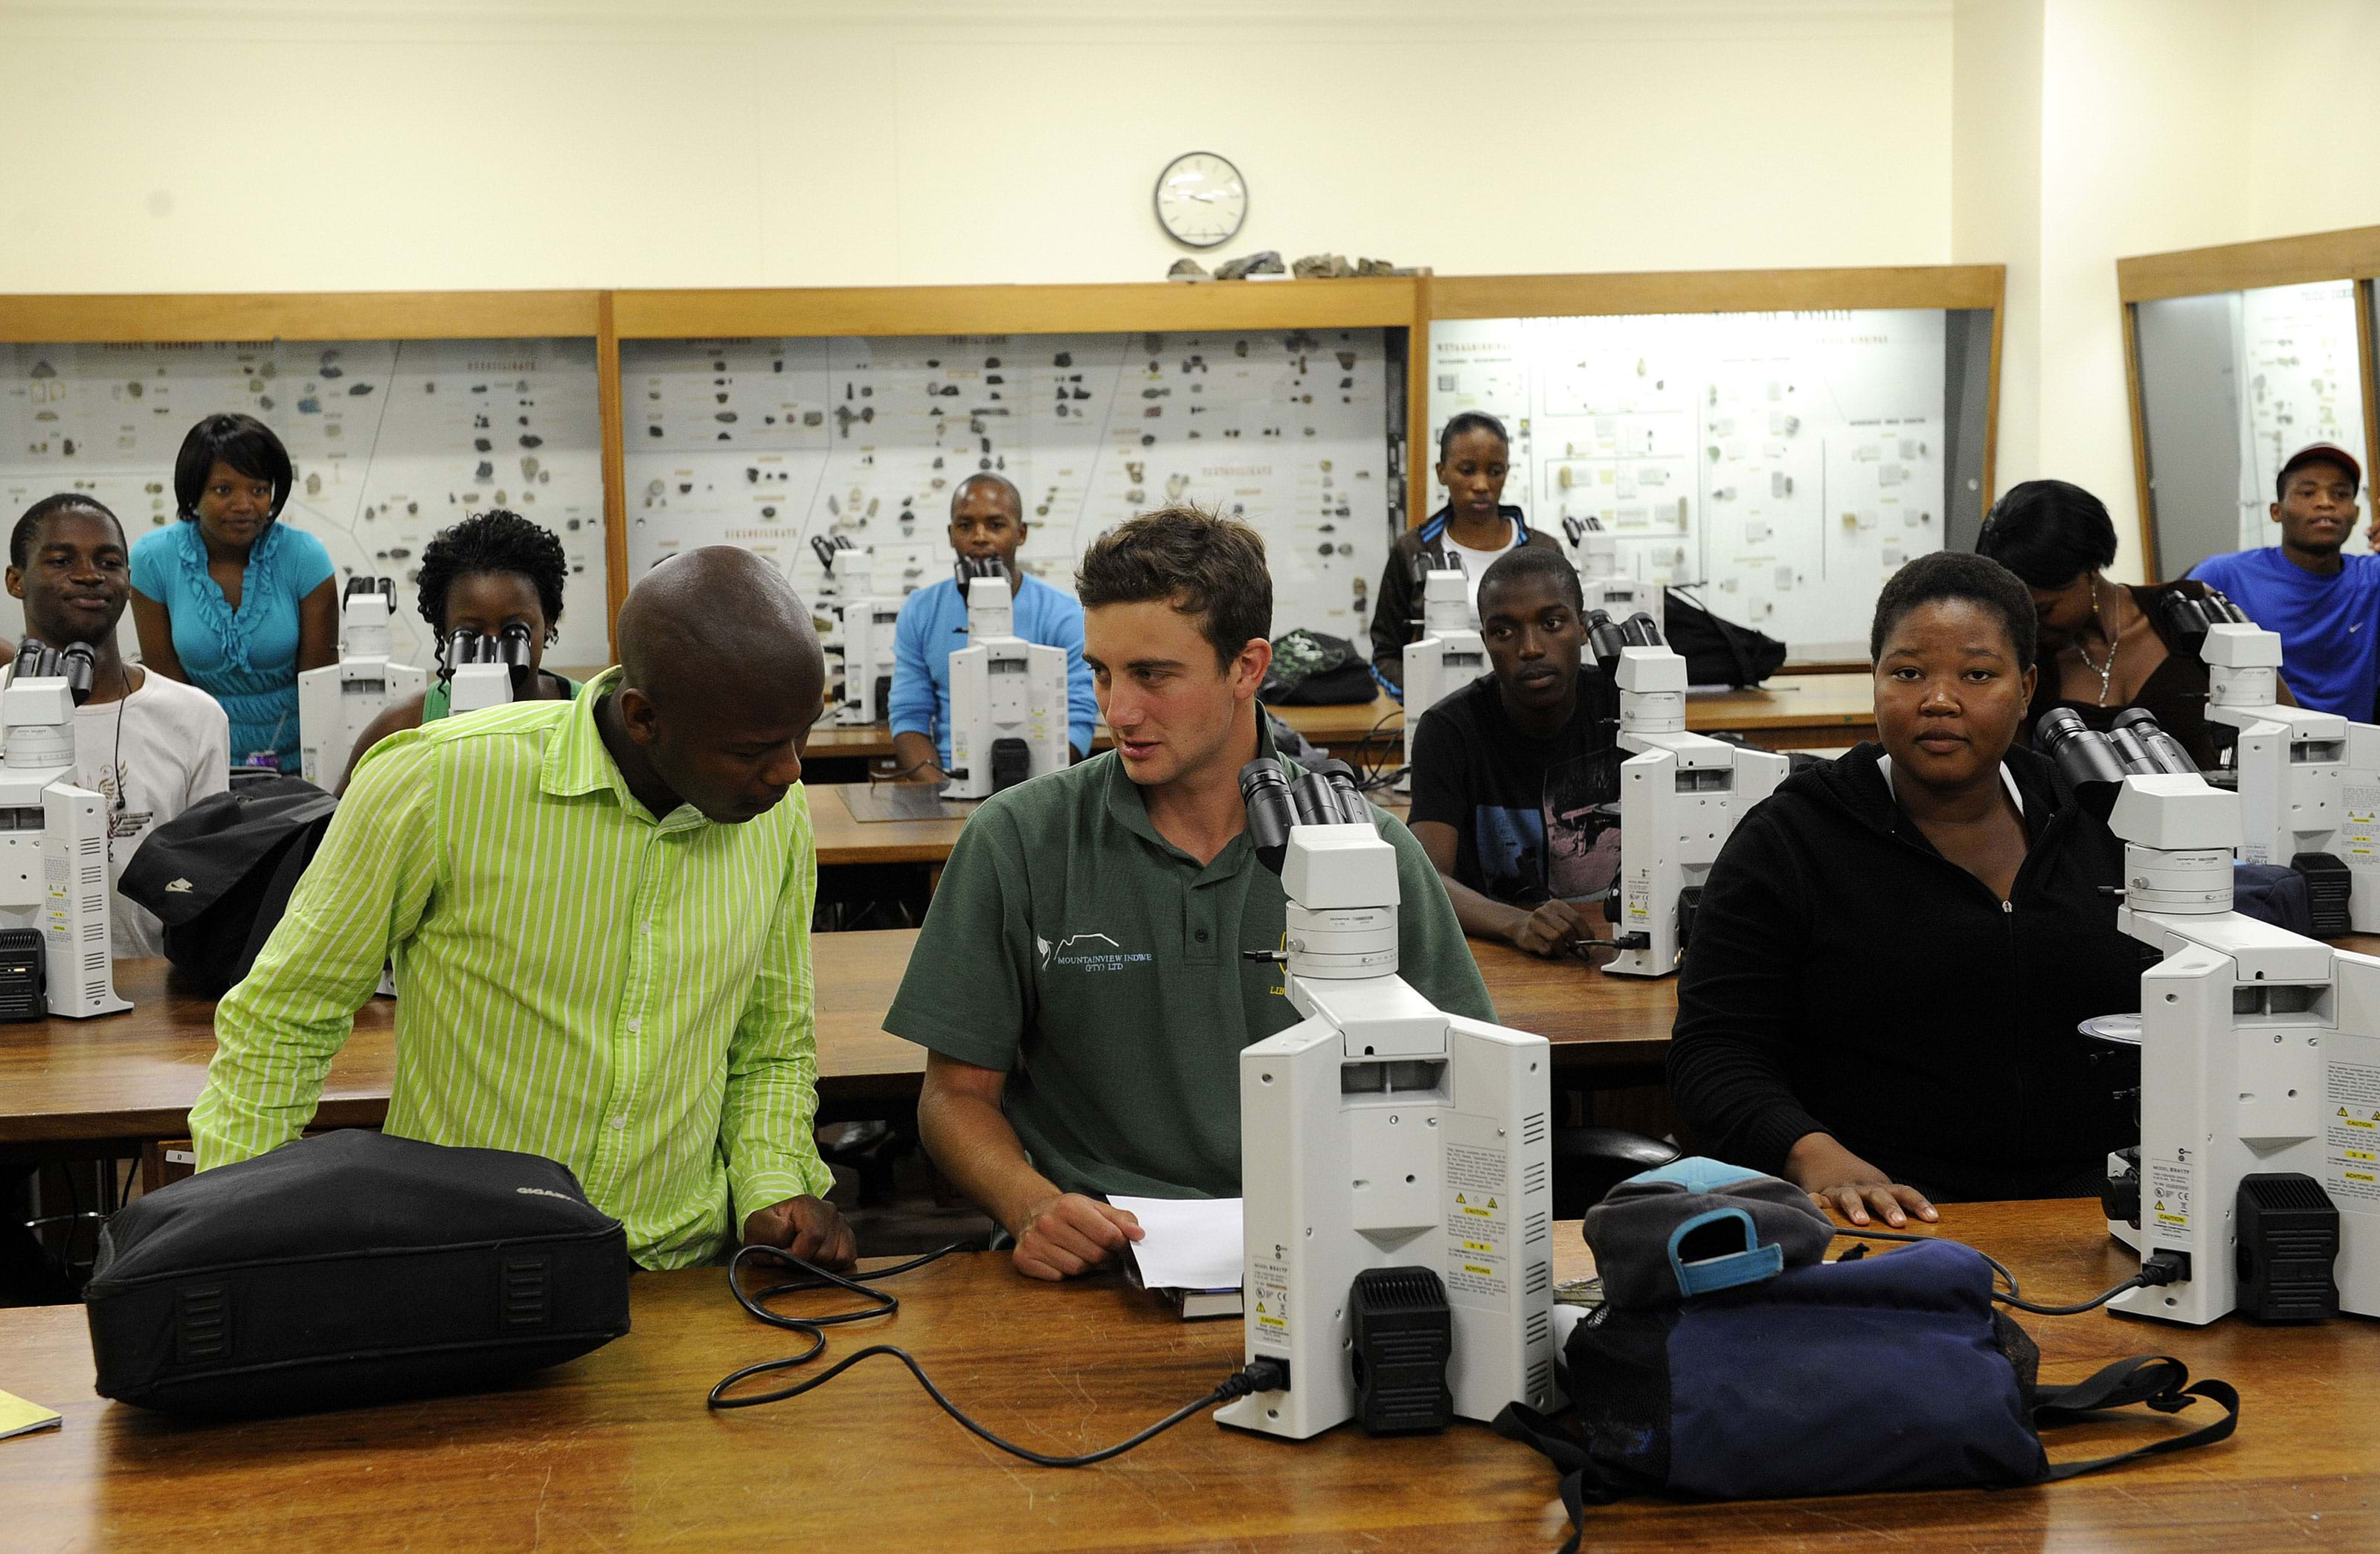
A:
x,y
1265,790
1605,635
78,666
1640,630
464,647
2164,751
2082,754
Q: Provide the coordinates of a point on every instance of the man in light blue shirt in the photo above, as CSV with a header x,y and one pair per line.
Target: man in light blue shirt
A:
x,y
987,523
2325,605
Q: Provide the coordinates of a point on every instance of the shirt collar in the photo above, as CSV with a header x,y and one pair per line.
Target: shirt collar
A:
x,y
577,761
2008,781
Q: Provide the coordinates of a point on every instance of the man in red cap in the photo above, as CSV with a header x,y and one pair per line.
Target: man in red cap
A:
x,y
2325,605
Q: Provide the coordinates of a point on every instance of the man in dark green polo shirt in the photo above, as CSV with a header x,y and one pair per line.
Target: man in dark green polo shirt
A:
x,y
1079,978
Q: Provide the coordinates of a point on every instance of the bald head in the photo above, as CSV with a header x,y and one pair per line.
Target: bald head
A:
x,y
988,521
986,486
716,618
722,678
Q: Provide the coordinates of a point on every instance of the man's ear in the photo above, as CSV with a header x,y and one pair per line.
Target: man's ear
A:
x,y
15,582
2274,512
1248,669
639,715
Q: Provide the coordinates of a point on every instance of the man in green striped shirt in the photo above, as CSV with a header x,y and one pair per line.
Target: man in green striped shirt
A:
x,y
599,912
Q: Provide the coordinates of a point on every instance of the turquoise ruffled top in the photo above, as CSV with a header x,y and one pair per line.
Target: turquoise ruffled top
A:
x,y
245,659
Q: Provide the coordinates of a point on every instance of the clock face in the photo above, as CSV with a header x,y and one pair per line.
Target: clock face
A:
x,y
1201,199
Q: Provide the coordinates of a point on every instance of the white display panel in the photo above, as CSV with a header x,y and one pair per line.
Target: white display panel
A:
x,y
2299,382
1787,463
769,443
392,441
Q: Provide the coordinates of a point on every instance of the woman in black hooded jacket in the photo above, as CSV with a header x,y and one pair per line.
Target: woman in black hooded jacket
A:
x,y
1894,950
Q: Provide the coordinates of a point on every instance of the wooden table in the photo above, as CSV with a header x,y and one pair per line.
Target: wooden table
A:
x,y
131,1079
616,1450
1797,712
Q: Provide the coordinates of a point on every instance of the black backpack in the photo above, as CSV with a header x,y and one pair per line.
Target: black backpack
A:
x,y
1717,652
219,874
1310,669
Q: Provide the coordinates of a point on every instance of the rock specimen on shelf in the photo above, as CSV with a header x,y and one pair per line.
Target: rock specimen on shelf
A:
x,y
1322,267
1265,263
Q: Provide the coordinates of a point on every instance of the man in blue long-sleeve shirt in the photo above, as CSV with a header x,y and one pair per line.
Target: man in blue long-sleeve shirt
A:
x,y
987,521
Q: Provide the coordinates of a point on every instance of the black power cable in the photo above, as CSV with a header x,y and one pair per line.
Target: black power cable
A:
x,y
2163,1267
1258,1376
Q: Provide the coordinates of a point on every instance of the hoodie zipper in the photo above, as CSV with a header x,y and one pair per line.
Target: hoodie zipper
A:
x,y
2052,830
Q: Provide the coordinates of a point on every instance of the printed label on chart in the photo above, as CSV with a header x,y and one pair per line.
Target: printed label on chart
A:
x,y
2351,1133
1269,1301
1478,1220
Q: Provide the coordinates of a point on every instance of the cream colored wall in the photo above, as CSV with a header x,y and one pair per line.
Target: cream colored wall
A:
x,y
2163,124
2146,146
1996,198
274,145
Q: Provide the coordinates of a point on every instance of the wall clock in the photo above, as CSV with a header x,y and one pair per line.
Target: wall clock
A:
x,y
1201,199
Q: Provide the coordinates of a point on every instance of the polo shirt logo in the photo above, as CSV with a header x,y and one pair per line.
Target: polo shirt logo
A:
x,y
1092,951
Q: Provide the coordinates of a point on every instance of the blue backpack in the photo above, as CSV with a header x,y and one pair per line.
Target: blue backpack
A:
x,y
1727,1362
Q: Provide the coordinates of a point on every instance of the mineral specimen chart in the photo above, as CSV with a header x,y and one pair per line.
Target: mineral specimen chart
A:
x,y
770,444
1785,462
392,441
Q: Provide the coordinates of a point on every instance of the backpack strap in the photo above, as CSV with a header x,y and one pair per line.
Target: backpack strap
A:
x,y
1581,1485
2155,1379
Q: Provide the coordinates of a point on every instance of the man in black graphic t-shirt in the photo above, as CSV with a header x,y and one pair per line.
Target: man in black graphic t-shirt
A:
x,y
1510,773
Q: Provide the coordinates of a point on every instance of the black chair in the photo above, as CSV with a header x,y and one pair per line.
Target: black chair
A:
x,y
1590,1161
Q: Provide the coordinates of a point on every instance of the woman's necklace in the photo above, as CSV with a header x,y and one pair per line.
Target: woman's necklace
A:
x,y
2106,671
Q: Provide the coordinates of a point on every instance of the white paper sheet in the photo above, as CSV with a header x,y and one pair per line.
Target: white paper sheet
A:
x,y
1193,1243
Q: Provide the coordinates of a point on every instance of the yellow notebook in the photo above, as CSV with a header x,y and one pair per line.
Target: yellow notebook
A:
x,y
18,1417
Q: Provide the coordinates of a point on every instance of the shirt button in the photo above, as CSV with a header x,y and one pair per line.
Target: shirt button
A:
x,y
619,1122
649,927
1202,936
635,1025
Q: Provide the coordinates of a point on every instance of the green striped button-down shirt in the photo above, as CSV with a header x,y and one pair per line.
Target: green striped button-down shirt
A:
x,y
628,996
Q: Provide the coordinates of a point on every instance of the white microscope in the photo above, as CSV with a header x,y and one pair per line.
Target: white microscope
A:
x,y
484,670
1680,796
1602,581
1394,1158
2309,782
2259,1160
55,953
865,621
1008,696
337,701
1450,653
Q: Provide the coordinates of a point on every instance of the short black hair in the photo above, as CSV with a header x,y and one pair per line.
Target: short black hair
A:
x,y
1470,421
1198,563
2048,533
495,540
20,539
1524,563
1957,574
988,478
242,442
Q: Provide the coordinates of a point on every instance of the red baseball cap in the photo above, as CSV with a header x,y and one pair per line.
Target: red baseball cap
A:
x,y
2325,453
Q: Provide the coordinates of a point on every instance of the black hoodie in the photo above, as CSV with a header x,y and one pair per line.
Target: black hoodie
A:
x,y
1844,977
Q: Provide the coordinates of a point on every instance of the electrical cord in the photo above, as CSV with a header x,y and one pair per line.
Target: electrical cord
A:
x,y
2163,1267
1257,1376
1374,776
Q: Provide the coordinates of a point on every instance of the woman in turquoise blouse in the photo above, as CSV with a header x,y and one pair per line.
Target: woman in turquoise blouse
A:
x,y
231,600
493,570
